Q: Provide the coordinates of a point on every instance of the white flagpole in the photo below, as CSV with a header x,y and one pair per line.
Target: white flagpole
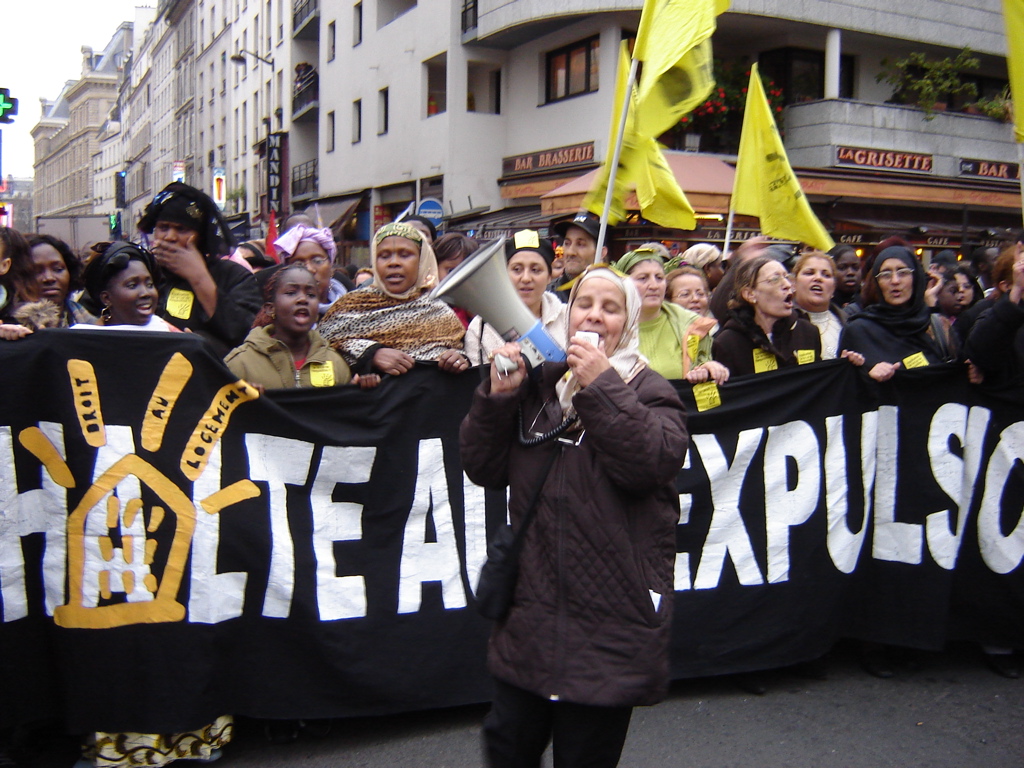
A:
x,y
616,154
1020,173
728,230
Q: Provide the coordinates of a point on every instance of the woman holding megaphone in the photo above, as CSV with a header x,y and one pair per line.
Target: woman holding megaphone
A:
x,y
596,442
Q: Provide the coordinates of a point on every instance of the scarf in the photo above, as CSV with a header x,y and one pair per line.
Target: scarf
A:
x,y
909,319
289,241
426,277
625,358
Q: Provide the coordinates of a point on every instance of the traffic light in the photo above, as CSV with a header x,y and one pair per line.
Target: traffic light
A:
x,y
119,189
115,226
8,106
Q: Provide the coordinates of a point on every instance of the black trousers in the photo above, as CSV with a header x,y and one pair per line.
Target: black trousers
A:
x,y
520,725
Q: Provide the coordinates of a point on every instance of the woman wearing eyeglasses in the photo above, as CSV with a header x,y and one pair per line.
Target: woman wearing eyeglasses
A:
x,y
896,329
316,250
762,332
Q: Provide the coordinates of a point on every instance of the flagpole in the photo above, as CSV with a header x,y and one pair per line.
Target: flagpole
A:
x,y
728,230
1020,174
609,194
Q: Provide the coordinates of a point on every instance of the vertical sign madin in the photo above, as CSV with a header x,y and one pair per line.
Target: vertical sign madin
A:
x,y
275,172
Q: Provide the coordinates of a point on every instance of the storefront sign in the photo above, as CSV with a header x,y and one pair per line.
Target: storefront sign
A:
x,y
275,172
548,160
860,157
989,169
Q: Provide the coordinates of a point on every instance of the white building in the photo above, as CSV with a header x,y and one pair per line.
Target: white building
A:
x,y
462,101
242,60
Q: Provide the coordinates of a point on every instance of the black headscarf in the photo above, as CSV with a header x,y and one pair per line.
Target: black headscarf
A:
x,y
181,204
910,318
110,261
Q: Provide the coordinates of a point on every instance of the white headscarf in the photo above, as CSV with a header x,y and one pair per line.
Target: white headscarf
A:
x,y
426,276
625,358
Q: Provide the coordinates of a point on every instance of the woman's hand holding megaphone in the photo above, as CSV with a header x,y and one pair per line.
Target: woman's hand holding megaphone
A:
x,y
502,379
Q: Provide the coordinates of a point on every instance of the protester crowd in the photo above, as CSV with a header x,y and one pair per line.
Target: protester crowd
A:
x,y
297,318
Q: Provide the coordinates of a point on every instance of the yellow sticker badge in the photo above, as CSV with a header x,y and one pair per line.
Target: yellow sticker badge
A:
x,y
179,303
916,360
707,396
321,374
764,361
804,356
692,344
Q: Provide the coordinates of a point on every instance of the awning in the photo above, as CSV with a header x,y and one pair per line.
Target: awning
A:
x,y
335,213
503,223
706,180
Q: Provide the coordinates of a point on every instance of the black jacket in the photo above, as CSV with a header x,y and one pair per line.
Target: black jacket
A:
x,y
592,614
996,344
735,343
238,301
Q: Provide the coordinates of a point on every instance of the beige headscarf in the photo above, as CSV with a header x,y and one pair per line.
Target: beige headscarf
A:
x,y
426,277
625,358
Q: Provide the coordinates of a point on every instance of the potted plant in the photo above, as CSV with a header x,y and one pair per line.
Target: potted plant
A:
x,y
999,107
929,83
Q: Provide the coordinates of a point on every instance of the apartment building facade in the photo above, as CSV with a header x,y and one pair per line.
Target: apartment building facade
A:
x,y
67,135
491,106
488,114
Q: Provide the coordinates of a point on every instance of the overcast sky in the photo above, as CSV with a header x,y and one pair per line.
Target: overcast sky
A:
x,y
42,47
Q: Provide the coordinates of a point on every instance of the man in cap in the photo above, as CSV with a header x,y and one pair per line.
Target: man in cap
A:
x,y
579,249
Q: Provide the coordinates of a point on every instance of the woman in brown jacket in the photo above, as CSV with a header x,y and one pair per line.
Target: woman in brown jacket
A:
x,y
587,636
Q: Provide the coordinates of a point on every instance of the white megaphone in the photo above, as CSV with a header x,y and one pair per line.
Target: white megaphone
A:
x,y
481,285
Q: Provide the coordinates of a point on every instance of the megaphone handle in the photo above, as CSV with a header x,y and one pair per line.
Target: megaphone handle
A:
x,y
504,365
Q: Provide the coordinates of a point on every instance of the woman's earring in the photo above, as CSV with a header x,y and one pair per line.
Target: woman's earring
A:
x,y
105,313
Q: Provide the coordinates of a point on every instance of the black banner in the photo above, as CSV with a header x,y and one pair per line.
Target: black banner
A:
x,y
174,547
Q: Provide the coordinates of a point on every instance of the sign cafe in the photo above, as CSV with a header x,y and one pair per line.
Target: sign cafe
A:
x,y
548,160
861,157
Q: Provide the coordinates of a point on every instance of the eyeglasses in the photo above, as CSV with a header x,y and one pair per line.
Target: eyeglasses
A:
x,y
319,261
700,293
902,273
774,281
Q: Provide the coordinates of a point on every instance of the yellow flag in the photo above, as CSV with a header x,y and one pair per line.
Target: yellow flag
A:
x,y
674,43
641,163
765,185
1013,17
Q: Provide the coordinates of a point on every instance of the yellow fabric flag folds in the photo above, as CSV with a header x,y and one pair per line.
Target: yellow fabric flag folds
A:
x,y
765,185
674,43
642,164
1013,16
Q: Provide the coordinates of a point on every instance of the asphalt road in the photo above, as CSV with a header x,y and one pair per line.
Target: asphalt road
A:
x,y
940,711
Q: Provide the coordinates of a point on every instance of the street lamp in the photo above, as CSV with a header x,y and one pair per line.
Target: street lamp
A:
x,y
239,59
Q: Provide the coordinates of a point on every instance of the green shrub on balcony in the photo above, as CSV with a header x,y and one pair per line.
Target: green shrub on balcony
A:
x,y
929,83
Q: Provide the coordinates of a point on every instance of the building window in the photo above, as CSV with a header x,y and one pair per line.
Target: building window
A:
x,y
437,84
382,111
330,131
357,121
357,24
800,74
332,41
483,87
572,70
389,10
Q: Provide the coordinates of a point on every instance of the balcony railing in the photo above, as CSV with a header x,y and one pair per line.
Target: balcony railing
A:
x,y
303,11
468,15
815,129
305,179
307,98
